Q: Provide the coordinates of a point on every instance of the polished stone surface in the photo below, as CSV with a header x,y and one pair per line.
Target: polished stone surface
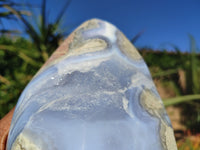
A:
x,y
94,93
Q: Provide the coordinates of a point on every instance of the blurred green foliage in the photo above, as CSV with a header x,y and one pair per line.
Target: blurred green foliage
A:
x,y
16,69
164,60
46,35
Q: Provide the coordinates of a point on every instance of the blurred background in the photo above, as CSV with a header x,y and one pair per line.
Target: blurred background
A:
x,y
166,33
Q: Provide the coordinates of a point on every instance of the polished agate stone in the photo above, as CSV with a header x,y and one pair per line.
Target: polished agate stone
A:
x,y
94,93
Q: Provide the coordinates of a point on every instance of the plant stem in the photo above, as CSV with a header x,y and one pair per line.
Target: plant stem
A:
x,y
180,99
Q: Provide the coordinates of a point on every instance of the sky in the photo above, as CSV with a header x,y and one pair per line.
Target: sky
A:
x,y
163,22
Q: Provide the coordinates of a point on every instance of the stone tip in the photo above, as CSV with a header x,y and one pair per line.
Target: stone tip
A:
x,y
92,36
96,20
94,23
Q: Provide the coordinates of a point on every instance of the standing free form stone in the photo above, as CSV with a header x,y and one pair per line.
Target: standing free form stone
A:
x,y
94,93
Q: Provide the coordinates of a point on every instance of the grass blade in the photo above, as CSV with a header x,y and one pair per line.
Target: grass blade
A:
x,y
180,99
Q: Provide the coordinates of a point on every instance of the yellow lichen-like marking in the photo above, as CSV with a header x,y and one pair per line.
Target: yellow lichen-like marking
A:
x,y
155,108
167,137
92,45
23,143
126,47
79,45
78,39
151,103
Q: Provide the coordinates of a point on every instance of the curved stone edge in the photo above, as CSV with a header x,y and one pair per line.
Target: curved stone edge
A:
x,y
4,129
127,47
154,106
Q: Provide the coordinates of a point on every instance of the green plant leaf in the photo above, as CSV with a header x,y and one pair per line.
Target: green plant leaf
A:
x,y
180,99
